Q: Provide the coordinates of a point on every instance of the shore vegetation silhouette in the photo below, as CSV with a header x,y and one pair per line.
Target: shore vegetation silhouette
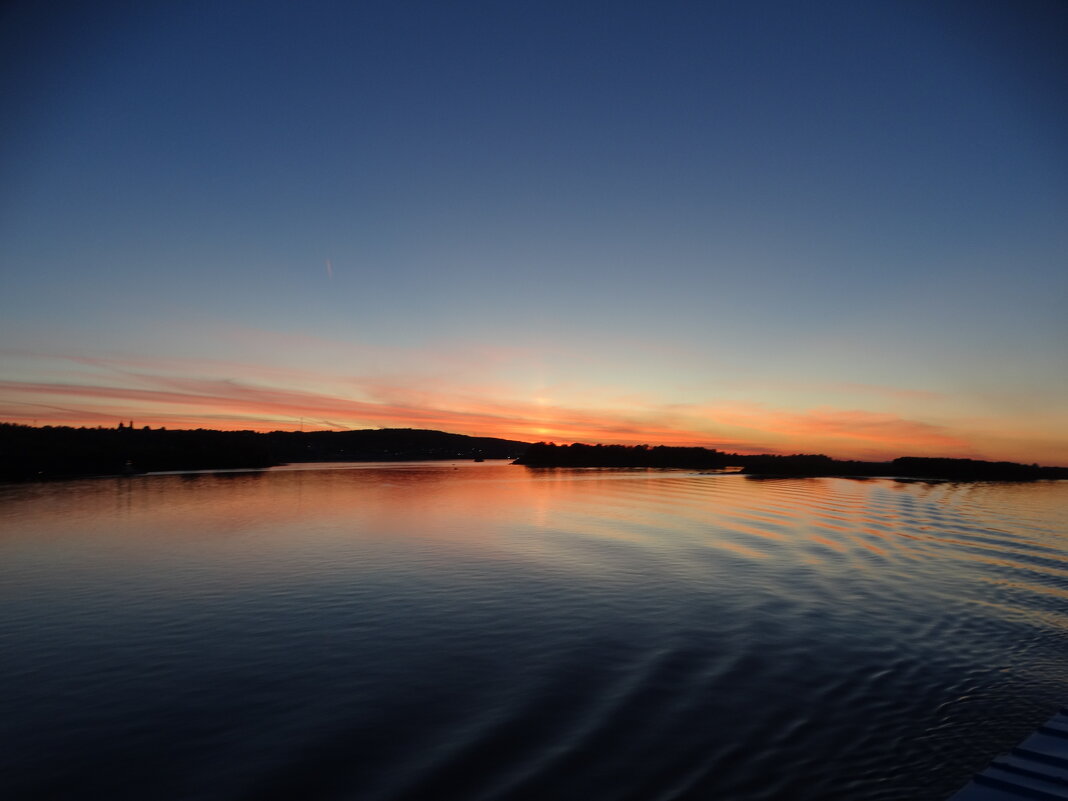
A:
x,y
30,453
542,454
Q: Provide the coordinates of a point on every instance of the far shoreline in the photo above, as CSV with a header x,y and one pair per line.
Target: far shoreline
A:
x,y
31,454
797,465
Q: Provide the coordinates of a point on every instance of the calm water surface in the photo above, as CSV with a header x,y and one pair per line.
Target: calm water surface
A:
x,y
484,631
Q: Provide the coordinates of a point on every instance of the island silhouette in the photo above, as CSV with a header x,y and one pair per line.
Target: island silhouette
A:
x,y
30,453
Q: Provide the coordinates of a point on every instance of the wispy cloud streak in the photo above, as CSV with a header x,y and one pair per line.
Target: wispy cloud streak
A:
x,y
230,403
498,391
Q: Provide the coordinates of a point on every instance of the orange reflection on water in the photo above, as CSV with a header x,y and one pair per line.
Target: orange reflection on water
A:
x,y
563,517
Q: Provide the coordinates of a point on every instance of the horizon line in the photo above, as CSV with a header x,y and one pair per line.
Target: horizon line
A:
x,y
773,453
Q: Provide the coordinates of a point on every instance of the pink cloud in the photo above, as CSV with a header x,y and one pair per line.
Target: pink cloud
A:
x,y
416,403
199,393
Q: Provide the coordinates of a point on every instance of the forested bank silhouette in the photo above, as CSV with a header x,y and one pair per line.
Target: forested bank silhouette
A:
x,y
542,454
28,453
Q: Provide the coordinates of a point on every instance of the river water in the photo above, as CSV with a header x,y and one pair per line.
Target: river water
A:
x,y
436,631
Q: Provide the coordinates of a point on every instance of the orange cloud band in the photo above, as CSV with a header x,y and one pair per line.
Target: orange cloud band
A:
x,y
194,402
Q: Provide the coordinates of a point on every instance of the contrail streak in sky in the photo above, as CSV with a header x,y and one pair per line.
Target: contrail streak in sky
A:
x,y
329,270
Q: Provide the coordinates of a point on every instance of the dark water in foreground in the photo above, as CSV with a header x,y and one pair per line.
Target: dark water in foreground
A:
x,y
491,632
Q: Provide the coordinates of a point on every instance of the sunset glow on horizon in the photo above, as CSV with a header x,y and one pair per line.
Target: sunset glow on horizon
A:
x,y
228,396
819,229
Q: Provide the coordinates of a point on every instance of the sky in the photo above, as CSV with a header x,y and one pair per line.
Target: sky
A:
x,y
830,227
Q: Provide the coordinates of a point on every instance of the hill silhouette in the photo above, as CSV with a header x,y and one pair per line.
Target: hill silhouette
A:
x,y
29,453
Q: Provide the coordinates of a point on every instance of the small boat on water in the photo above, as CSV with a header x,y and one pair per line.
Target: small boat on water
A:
x,y
1035,769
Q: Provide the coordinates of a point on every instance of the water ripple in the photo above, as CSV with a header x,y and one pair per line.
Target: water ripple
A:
x,y
499,633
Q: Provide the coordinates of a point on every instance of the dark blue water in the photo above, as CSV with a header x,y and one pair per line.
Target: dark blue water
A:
x,y
488,632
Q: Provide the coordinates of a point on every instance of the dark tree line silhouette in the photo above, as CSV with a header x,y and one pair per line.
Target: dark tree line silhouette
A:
x,y
542,454
30,453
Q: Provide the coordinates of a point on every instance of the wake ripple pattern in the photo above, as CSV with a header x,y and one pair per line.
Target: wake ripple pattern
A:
x,y
501,633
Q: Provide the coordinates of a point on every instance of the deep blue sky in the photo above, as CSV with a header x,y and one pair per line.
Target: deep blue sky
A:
x,y
827,193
